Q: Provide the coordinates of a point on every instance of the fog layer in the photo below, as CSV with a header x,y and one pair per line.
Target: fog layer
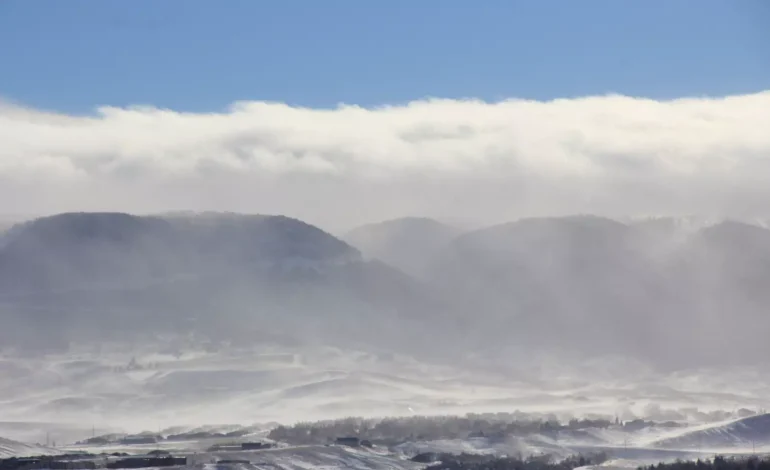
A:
x,y
468,160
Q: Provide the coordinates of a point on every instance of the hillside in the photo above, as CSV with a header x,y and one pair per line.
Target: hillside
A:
x,y
549,280
84,275
408,244
744,433
9,448
656,291
671,293
80,249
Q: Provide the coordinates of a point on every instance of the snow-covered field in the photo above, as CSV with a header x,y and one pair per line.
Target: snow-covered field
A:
x,y
626,449
68,397
650,445
10,448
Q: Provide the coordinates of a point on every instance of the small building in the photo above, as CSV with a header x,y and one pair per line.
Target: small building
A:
x,y
256,445
426,457
144,462
139,440
348,441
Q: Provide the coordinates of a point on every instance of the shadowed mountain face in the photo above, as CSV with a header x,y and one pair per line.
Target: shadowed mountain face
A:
x,y
597,286
408,244
85,276
77,250
572,282
655,290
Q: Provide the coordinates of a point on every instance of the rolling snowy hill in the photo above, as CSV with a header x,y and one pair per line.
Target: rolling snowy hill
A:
x,y
9,448
751,432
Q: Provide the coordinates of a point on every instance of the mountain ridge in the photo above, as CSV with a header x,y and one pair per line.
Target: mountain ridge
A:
x,y
579,284
80,274
407,243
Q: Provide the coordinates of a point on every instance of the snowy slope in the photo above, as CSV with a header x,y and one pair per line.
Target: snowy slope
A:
x,y
138,388
745,433
9,448
323,457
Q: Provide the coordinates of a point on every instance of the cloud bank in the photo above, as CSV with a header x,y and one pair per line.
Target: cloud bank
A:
x,y
464,159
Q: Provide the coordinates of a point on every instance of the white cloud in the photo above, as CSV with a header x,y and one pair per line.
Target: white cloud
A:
x,y
441,157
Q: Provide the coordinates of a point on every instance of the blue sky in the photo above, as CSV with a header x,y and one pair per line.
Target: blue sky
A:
x,y
193,55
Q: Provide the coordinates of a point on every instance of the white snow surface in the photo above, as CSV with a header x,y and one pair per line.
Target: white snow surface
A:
x,y
131,388
323,458
9,448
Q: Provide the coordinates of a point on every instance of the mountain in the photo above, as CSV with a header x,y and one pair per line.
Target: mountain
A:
x,y
543,279
80,249
408,244
722,274
6,225
79,276
671,294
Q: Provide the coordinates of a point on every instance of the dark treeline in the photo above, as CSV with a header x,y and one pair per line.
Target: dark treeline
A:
x,y
489,462
53,462
394,430
718,463
88,461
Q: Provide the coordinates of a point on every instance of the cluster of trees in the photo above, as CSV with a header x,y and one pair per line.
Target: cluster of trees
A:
x,y
136,365
488,462
389,431
46,461
718,463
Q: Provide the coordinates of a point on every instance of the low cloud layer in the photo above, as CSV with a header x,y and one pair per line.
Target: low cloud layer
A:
x,y
465,160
